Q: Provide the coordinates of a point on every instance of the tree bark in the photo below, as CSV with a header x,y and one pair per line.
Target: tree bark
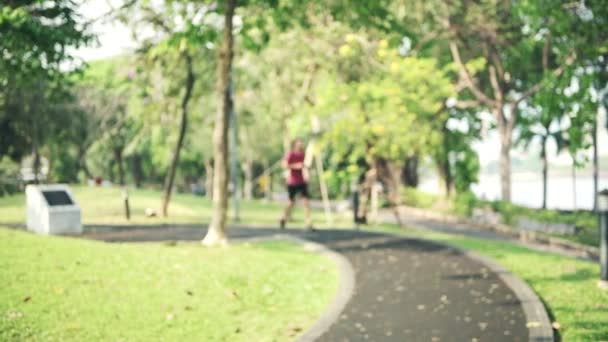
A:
x,y
82,162
182,133
216,234
268,181
595,159
446,180
505,169
444,168
119,161
209,177
543,155
505,129
36,150
36,163
137,170
248,173
409,173
574,183
390,178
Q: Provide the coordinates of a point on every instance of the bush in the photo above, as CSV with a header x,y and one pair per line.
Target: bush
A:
x,y
415,198
9,177
464,203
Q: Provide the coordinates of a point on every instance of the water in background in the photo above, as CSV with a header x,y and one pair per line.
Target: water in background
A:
x,y
527,189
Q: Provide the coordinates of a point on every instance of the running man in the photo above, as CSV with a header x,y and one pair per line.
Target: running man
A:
x,y
297,180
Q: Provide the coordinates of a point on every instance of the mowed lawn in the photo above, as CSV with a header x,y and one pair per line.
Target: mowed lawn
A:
x,y
105,205
66,289
566,285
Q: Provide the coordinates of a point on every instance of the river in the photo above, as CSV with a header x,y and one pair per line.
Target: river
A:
x,y
527,189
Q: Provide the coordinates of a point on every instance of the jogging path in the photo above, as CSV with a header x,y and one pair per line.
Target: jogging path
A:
x,y
405,289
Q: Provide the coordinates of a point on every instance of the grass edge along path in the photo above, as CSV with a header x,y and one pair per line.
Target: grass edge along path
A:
x,y
566,285
63,289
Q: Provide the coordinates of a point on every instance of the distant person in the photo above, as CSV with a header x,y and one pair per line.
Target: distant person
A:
x,y
297,181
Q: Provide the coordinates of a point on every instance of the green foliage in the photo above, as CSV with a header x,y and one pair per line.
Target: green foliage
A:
x,y
464,203
37,39
9,177
586,222
387,111
418,199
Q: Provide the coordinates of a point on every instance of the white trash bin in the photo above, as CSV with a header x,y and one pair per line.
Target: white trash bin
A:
x,y
52,209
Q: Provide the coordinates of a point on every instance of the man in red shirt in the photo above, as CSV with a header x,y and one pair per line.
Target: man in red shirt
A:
x,y
297,180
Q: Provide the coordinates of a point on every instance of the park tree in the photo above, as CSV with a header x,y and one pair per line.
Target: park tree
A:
x,y
37,37
523,45
258,15
385,114
183,33
216,231
542,124
105,92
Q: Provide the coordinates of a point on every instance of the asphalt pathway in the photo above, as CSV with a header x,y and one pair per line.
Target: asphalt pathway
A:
x,y
405,289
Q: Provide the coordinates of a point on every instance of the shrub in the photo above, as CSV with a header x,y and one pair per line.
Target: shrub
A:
x,y
464,203
415,198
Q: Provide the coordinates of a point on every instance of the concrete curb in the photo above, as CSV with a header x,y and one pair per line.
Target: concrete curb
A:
x,y
538,322
346,285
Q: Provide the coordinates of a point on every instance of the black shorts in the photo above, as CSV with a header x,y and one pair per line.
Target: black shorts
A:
x,y
294,189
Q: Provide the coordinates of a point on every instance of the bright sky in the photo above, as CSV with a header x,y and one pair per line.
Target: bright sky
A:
x,y
115,38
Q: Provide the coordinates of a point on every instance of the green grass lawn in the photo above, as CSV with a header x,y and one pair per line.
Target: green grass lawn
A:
x,y
64,289
101,205
566,285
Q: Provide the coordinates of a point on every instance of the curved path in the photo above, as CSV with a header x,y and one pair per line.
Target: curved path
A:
x,y
405,289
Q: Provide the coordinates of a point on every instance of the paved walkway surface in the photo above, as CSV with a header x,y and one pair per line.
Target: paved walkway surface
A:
x,y
405,289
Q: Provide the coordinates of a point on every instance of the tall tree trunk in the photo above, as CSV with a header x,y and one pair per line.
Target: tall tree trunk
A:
x,y
543,155
36,150
137,169
268,182
248,173
505,171
595,158
446,180
36,164
389,175
119,161
409,173
82,162
182,133
111,172
575,206
505,129
209,177
216,233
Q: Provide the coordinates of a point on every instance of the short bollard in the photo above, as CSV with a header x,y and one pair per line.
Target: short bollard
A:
x,y
125,198
602,208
